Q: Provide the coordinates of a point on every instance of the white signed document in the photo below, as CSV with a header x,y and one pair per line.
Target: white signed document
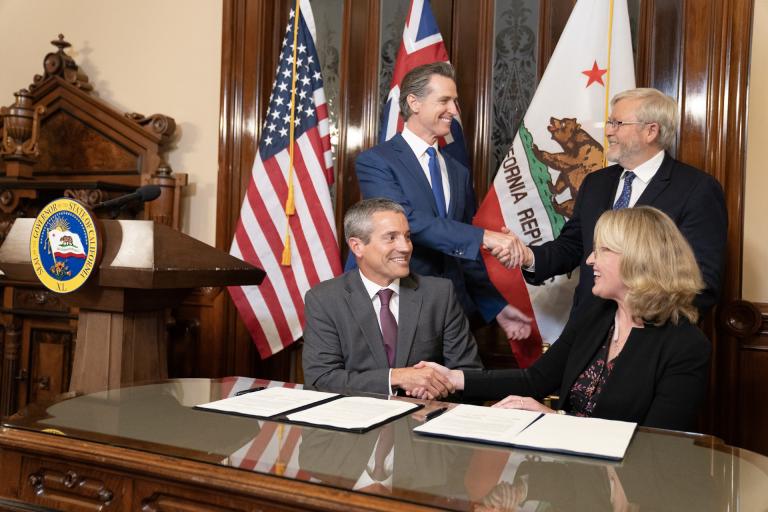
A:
x,y
267,402
353,412
525,429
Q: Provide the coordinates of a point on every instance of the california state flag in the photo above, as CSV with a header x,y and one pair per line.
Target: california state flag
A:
x,y
560,141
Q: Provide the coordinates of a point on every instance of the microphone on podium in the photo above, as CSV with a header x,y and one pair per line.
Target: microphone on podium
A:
x,y
143,194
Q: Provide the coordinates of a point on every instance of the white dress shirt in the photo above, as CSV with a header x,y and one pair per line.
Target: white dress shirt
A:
x,y
643,175
419,148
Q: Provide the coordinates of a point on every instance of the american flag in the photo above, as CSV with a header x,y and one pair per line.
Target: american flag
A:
x,y
297,250
422,44
275,448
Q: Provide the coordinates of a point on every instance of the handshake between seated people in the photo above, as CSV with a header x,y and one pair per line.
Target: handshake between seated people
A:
x,y
366,329
634,352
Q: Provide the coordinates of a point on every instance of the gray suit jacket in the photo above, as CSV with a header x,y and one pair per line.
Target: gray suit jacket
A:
x,y
343,346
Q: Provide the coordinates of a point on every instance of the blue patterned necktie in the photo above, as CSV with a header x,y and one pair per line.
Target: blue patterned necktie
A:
x,y
626,192
437,181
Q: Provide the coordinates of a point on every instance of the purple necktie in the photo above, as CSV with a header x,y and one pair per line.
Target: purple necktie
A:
x,y
388,325
626,192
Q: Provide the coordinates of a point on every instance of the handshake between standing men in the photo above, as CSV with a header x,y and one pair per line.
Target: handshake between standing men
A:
x,y
641,129
435,191
367,328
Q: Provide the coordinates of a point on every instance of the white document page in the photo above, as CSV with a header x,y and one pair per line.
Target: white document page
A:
x,y
353,412
268,402
571,434
480,423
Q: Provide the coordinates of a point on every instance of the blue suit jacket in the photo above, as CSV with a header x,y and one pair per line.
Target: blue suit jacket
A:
x,y
444,247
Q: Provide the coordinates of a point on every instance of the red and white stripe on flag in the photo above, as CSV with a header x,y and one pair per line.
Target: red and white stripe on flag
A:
x,y
275,447
591,63
273,312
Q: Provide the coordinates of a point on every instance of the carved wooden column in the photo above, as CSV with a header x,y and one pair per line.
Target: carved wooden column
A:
x,y
11,349
743,331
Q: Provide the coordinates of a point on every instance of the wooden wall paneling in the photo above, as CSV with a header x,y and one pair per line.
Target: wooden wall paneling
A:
x,y
725,158
553,15
661,34
444,10
698,52
358,98
473,21
251,38
752,391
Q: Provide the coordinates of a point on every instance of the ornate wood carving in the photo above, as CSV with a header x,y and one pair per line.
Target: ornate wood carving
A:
x,y
741,318
88,151
161,502
20,134
62,485
62,65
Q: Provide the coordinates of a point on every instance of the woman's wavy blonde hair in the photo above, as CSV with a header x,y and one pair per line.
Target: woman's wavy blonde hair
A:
x,y
657,264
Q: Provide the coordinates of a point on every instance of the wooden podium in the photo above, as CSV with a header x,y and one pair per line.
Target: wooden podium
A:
x,y
146,268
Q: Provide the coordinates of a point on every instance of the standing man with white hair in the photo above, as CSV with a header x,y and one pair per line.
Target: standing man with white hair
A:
x,y
640,132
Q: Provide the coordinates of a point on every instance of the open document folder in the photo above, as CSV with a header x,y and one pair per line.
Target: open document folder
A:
x,y
331,410
593,437
268,402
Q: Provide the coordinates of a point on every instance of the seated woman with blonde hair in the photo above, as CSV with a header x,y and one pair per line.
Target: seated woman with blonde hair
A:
x,y
634,353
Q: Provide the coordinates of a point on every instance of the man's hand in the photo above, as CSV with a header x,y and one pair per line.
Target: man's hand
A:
x,y
507,248
516,324
456,378
422,382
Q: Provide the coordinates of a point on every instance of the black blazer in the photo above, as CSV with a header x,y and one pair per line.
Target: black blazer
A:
x,y
658,380
692,198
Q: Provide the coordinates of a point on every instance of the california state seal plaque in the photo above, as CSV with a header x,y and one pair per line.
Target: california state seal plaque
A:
x,y
64,246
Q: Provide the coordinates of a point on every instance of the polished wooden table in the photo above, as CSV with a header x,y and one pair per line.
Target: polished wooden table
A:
x,y
145,448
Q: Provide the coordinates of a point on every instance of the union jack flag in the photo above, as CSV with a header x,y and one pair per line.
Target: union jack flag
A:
x,y
422,44
286,221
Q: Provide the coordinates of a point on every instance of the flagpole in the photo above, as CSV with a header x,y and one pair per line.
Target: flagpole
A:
x,y
290,207
608,79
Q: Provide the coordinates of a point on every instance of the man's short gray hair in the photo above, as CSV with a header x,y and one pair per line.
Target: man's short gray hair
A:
x,y
654,107
358,219
416,82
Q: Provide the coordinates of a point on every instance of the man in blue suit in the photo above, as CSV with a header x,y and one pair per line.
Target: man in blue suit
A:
x,y
436,192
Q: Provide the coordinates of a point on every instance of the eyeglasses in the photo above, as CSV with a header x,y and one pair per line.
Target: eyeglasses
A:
x,y
618,124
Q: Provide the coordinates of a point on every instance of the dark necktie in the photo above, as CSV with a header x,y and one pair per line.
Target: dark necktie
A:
x,y
437,181
388,325
626,192
384,445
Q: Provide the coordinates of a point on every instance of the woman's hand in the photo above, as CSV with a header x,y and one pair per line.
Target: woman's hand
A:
x,y
525,403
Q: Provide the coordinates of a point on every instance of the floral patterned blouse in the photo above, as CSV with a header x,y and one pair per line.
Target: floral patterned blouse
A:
x,y
586,390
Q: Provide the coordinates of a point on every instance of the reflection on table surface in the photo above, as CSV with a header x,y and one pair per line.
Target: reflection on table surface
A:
x,y
661,471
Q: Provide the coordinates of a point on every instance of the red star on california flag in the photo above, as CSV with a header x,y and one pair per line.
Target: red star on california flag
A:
x,y
595,75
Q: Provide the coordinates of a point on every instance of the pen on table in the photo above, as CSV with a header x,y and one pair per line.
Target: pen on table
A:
x,y
251,390
434,414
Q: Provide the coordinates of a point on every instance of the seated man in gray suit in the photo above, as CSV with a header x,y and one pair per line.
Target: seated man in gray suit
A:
x,y
365,328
